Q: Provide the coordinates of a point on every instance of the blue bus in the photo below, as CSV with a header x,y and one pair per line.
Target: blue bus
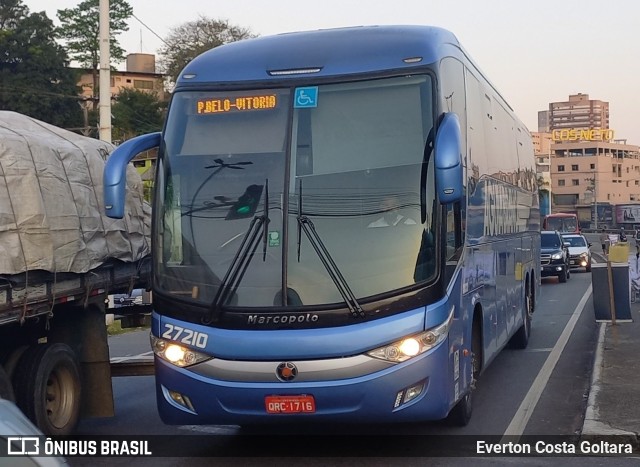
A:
x,y
345,228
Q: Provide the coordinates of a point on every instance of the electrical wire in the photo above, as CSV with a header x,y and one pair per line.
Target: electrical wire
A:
x,y
151,30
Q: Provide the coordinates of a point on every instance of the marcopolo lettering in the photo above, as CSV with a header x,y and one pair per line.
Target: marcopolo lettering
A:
x,y
283,319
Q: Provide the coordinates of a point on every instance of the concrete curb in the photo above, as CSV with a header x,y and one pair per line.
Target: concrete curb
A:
x,y
591,415
592,426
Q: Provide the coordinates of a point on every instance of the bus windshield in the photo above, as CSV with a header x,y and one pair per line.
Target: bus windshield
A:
x,y
242,172
562,223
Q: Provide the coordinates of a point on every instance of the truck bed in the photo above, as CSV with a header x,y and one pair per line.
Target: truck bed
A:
x,y
34,293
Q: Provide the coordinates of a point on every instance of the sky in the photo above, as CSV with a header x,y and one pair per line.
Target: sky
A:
x,y
533,51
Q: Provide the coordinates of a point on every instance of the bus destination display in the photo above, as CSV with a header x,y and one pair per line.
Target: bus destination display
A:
x,y
236,104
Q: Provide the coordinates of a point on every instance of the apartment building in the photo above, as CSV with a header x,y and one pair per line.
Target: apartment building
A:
x,y
582,167
585,172
578,112
140,74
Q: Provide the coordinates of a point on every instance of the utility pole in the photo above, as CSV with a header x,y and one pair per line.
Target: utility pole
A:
x,y
592,188
595,199
105,74
86,131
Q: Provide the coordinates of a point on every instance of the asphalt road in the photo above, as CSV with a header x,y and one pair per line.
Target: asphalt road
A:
x,y
539,391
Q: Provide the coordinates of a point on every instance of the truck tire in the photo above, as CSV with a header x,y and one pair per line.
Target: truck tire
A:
x,y
6,390
47,387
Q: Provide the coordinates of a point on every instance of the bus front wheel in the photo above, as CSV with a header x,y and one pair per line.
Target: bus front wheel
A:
x,y
460,415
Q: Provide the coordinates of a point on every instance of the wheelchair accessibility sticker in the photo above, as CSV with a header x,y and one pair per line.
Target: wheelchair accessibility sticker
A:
x,y
306,97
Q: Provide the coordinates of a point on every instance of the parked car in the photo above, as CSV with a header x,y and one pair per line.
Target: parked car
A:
x,y
127,300
554,255
579,251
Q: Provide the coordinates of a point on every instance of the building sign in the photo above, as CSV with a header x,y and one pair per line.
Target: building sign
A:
x,y
579,134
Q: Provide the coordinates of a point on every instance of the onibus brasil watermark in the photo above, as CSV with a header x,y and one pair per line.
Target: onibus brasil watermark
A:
x,y
40,446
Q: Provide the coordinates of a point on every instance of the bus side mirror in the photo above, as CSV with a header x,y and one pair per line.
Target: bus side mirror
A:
x,y
115,171
448,159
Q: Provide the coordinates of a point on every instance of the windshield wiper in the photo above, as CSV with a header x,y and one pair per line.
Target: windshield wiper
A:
x,y
265,228
306,225
240,262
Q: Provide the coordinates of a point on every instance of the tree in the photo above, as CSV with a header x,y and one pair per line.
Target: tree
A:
x,y
11,12
80,28
34,76
187,41
135,113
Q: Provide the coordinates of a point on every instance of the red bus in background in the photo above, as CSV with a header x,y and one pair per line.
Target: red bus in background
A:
x,y
562,222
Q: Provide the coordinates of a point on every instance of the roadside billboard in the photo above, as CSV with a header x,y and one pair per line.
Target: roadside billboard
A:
x,y
627,213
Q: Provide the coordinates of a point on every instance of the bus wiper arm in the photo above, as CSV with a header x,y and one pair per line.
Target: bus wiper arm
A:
x,y
265,228
240,263
304,223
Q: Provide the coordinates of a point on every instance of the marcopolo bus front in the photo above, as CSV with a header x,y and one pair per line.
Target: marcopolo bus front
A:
x,y
351,373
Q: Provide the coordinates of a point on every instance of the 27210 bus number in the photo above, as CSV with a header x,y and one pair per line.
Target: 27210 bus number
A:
x,y
185,336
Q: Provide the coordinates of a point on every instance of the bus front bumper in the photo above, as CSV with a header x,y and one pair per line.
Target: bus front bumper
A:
x,y
188,398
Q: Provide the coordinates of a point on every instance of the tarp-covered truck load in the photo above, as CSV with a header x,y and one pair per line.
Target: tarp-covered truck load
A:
x,y
51,203
59,259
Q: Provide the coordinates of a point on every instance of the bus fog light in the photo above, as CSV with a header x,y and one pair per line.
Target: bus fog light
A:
x,y
413,392
408,394
182,400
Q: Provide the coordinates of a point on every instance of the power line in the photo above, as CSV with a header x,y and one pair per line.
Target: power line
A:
x,y
151,30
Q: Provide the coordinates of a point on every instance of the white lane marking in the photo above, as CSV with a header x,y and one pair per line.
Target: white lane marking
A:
x,y
142,356
524,412
538,350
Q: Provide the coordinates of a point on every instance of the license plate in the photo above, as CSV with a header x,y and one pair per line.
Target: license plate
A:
x,y
290,404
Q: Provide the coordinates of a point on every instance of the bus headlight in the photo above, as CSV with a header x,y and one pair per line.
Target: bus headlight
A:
x,y
176,354
416,344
